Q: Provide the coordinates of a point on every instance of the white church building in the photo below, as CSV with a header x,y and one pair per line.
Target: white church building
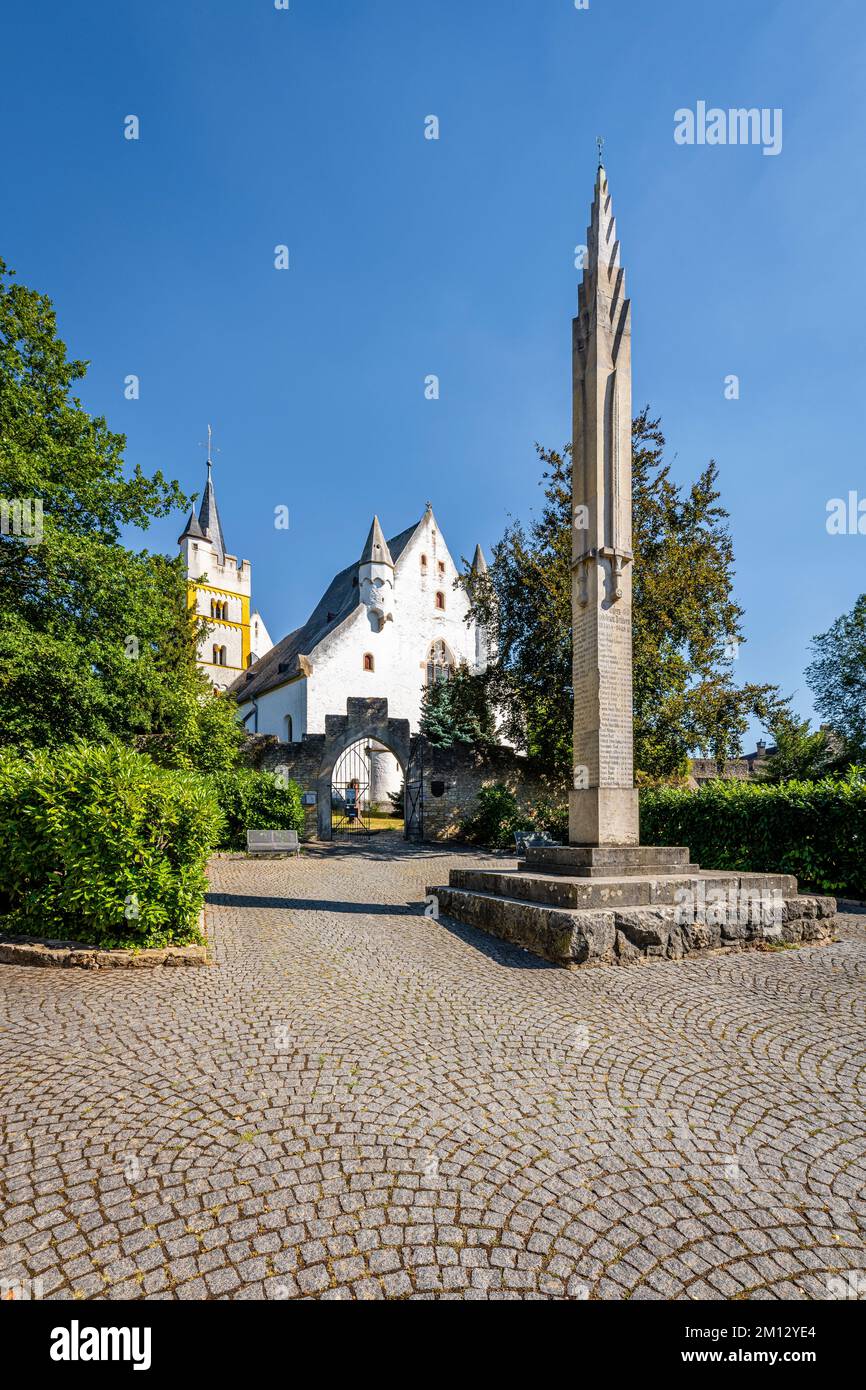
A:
x,y
387,625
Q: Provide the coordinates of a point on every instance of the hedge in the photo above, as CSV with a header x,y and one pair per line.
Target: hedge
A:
x,y
101,845
815,830
252,800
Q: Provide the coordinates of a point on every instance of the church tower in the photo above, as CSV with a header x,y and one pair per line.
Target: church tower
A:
x,y
218,591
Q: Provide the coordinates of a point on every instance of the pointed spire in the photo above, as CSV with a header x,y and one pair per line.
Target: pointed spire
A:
x,y
192,528
602,306
479,564
376,547
209,517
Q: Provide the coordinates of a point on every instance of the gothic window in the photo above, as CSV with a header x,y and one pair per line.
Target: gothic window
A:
x,y
440,662
440,599
369,664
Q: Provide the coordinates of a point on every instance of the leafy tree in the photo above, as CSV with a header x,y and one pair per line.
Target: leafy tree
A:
x,y
837,677
498,815
458,710
687,625
96,641
801,753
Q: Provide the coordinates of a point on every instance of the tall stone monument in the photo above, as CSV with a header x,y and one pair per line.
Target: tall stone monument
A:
x,y
603,805
604,897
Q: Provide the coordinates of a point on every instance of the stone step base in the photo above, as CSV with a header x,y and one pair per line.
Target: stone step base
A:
x,y
645,890
621,935
606,861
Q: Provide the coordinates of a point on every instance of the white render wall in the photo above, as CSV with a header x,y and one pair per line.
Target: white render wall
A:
x,y
273,706
399,650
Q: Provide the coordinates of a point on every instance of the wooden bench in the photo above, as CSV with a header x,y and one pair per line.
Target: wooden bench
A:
x,y
273,842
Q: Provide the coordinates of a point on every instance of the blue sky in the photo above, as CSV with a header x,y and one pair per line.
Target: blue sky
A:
x,y
455,257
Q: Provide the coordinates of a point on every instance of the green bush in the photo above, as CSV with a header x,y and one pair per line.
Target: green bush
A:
x,y
251,800
497,818
101,845
815,830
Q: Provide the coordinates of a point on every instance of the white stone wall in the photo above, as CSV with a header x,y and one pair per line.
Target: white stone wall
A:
x,y
399,649
260,638
275,705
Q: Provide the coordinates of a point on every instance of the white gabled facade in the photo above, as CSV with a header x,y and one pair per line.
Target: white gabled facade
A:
x,y
385,626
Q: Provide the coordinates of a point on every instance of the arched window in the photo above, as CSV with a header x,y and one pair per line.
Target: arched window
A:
x,y
213,611
440,599
369,663
216,654
442,567
223,656
288,723
424,563
440,662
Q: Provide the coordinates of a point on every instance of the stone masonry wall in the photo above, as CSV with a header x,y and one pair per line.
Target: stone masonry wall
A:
x,y
452,777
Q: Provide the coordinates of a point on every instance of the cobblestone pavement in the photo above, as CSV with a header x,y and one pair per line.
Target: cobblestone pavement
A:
x,y
358,1101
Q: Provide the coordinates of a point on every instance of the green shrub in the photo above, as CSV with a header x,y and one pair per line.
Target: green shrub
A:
x,y
101,845
251,800
815,830
497,818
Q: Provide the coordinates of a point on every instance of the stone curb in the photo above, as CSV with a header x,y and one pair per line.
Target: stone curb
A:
x,y
29,950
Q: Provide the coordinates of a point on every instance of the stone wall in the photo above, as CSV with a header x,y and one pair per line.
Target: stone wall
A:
x,y
302,762
452,777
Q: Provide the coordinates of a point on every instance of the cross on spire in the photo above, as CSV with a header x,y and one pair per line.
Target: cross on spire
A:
x,y
210,449
599,140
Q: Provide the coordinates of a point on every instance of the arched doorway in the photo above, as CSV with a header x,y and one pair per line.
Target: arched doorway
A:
x,y
347,775
366,786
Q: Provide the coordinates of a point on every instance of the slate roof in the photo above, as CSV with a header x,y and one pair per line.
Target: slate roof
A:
x,y
209,519
192,528
339,600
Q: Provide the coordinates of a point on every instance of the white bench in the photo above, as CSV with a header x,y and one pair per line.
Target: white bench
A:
x,y
273,842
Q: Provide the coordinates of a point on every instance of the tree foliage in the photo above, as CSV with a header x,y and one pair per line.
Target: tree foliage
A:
x,y
687,625
458,710
837,678
801,753
95,640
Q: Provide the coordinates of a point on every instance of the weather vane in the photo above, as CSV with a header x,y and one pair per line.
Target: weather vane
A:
x,y
599,140
208,446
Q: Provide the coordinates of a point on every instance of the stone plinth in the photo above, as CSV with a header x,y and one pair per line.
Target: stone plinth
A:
x,y
604,861
623,919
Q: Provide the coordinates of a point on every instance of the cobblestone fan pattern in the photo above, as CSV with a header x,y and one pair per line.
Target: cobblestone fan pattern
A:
x,y
359,1101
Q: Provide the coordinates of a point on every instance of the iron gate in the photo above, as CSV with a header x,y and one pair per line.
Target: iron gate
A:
x,y
413,826
350,793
